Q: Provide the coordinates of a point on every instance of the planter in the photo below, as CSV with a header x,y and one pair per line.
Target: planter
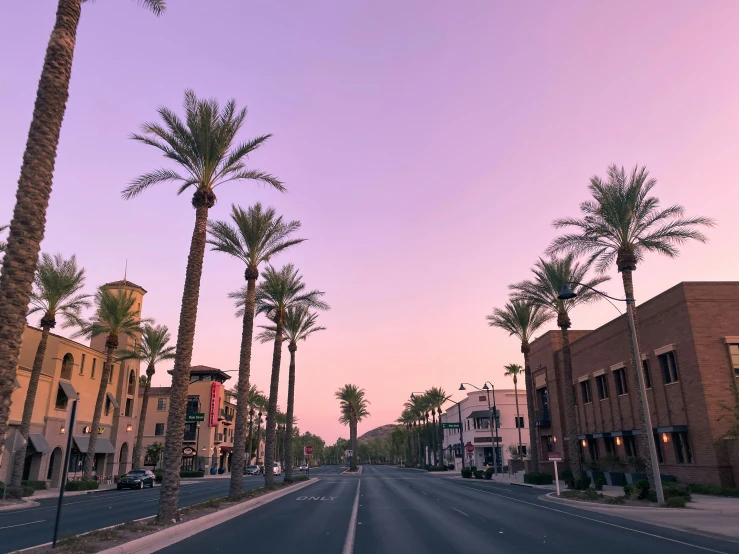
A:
x,y
213,471
221,470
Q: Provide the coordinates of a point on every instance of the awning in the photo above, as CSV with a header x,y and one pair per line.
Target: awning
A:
x,y
226,449
102,445
601,435
479,414
586,437
672,429
16,384
113,400
38,441
68,390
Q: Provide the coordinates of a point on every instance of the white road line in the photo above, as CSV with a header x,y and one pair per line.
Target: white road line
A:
x,y
425,493
22,524
460,511
595,520
349,542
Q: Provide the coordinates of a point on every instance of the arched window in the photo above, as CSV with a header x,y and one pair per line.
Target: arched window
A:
x,y
131,383
67,364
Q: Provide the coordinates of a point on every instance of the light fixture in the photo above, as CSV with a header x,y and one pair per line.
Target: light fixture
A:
x,y
584,442
618,441
554,439
461,387
665,437
129,427
485,387
566,293
62,430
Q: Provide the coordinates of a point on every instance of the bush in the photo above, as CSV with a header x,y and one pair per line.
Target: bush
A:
x,y
437,468
639,465
191,474
568,478
617,500
489,473
467,472
642,489
479,474
158,476
628,490
676,490
35,485
538,478
676,502
81,486
583,483
28,491
474,469
714,490
599,482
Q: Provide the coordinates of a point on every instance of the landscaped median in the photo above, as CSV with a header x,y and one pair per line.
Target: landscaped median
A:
x,y
148,535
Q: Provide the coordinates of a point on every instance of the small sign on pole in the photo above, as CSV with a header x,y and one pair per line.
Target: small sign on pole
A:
x,y
469,448
308,450
555,457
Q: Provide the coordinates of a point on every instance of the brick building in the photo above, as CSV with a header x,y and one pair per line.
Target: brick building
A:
x,y
689,342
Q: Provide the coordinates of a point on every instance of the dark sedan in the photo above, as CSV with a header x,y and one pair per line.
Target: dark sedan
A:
x,y
137,480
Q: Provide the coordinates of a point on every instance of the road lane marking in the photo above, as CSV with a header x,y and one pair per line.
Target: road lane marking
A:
x,y
460,511
595,520
349,542
22,524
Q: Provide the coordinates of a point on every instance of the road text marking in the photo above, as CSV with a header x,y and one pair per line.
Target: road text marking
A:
x,y
316,498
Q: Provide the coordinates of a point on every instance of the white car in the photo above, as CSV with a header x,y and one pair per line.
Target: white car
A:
x,y
303,467
277,468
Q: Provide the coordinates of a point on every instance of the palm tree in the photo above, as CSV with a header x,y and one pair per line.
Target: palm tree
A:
x,y
299,324
513,370
406,418
3,244
34,189
542,291
116,315
152,350
621,224
436,397
353,406
417,406
204,148
280,290
56,292
252,399
522,320
255,237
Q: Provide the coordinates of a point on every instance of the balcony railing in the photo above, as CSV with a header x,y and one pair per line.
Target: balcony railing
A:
x,y
219,437
543,419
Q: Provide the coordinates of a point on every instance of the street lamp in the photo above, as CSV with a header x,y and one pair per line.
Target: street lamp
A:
x,y
461,434
493,419
565,294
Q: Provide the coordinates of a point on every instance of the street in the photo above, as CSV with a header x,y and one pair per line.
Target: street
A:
x,y
34,526
410,511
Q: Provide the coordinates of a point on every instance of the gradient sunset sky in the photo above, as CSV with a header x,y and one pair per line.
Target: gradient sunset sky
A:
x,y
427,146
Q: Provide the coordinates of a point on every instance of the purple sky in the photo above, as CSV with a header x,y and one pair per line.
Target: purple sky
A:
x,y
426,150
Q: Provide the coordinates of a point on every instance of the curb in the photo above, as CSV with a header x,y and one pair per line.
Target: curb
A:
x,y
585,505
358,472
22,506
176,533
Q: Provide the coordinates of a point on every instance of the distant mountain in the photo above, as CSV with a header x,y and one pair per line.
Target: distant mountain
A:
x,y
382,432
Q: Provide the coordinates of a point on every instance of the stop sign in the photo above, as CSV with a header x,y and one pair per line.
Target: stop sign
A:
x,y
469,448
308,450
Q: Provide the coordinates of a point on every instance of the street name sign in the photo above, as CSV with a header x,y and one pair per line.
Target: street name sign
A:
x,y
555,457
194,417
450,425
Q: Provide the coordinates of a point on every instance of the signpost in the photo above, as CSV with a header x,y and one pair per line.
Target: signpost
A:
x,y
469,448
194,417
308,451
555,457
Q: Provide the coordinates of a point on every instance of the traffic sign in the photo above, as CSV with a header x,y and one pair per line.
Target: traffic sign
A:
x,y
469,448
450,425
308,450
554,457
194,417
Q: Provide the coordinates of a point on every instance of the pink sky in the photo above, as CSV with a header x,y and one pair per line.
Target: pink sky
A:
x,y
426,149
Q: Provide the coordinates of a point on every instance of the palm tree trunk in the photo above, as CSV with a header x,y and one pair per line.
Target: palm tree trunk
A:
x,y
242,393
269,455
19,458
32,196
571,406
259,441
169,494
353,441
640,423
518,416
433,432
142,420
290,411
530,392
251,444
111,345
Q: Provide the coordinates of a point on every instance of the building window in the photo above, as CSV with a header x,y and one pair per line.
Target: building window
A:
x,y
585,390
630,446
610,444
620,377
523,450
129,407
61,399
734,351
107,405
683,454
67,364
92,371
602,384
110,375
159,429
658,446
550,443
481,398
192,404
82,365
131,383
162,404
482,423
593,449
190,431
519,423
669,367
647,376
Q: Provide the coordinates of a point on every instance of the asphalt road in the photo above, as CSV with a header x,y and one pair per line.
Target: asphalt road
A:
x,y
409,511
34,526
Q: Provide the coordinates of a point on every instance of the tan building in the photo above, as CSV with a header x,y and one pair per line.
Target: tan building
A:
x,y
72,369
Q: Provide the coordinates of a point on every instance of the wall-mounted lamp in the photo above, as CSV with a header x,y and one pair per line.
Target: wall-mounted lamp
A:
x,y
62,430
618,441
584,443
129,427
665,437
554,439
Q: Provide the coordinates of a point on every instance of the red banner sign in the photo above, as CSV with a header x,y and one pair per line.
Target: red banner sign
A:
x,y
215,402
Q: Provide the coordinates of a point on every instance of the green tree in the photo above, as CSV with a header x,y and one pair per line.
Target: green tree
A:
x,y
152,350
204,148
56,292
542,291
620,225
299,324
154,451
522,320
280,290
514,370
353,406
116,315
34,189
255,236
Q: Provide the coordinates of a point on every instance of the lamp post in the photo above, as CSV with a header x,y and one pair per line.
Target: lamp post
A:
x,y
493,419
565,294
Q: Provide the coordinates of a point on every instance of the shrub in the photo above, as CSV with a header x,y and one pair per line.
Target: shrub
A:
x,y
489,473
599,482
538,478
191,474
642,489
467,472
81,486
676,490
583,483
568,478
639,465
28,491
158,476
714,490
479,474
591,494
35,485
676,502
474,469
617,500
628,490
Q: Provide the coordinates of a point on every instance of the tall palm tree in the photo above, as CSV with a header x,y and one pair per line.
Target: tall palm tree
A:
x,y
353,406
204,148
300,323
406,418
437,396
34,189
522,320
417,406
152,350
621,224
56,292
513,370
116,315
3,244
280,290
542,291
255,237
252,399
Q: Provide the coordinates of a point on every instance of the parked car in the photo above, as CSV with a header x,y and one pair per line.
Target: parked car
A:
x,y
137,479
277,468
252,470
303,467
